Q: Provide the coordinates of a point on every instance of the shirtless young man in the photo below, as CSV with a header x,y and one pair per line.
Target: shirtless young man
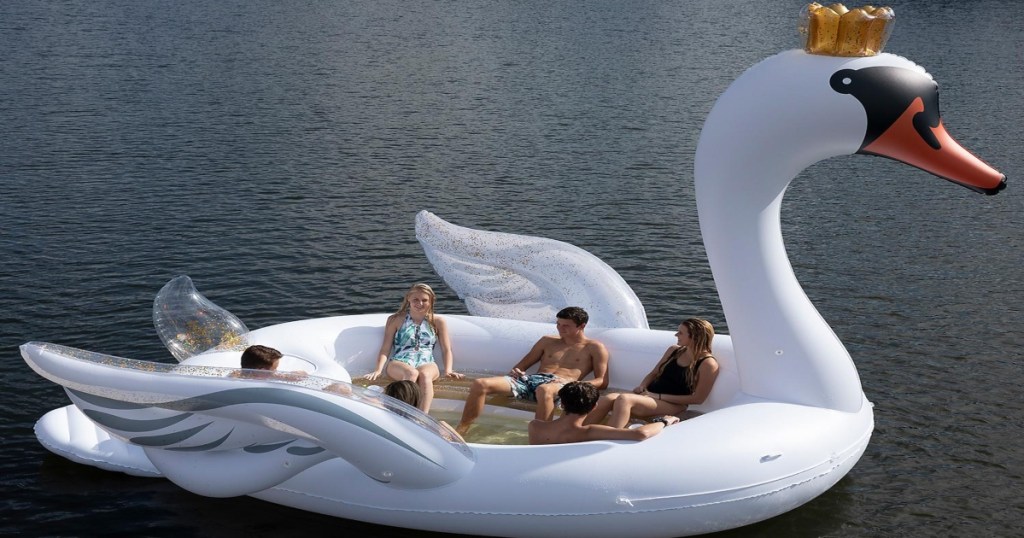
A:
x,y
578,399
570,356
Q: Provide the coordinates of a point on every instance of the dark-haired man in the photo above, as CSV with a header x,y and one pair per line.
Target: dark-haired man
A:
x,y
259,357
570,356
578,399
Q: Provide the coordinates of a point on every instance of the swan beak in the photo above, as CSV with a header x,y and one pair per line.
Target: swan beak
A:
x,y
903,142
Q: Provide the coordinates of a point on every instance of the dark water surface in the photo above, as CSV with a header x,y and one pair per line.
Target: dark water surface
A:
x,y
277,152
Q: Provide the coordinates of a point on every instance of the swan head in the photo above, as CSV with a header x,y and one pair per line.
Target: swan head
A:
x,y
795,109
781,116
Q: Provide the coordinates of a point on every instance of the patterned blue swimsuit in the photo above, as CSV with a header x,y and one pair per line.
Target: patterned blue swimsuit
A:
x,y
414,344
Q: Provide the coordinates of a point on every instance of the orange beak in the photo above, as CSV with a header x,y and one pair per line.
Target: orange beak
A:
x,y
902,142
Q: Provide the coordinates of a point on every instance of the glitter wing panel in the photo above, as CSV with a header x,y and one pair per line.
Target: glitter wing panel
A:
x,y
526,278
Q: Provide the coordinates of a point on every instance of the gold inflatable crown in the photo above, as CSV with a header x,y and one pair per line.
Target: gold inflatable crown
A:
x,y
836,31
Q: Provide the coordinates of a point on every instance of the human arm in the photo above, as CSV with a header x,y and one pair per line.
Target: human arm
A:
x,y
390,328
599,432
339,388
600,366
447,356
291,376
531,358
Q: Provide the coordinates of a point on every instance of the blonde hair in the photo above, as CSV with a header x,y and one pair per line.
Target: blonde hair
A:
x,y
419,286
701,334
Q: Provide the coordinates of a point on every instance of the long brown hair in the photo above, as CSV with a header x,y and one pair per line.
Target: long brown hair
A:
x,y
419,286
701,334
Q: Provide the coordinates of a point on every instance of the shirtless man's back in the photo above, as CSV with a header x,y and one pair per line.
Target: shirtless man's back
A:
x,y
578,399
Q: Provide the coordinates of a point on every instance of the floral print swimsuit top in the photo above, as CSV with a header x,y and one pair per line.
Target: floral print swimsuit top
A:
x,y
414,344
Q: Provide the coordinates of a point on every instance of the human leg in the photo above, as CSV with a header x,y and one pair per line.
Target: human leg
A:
x,y
400,371
478,391
603,407
428,373
546,395
628,404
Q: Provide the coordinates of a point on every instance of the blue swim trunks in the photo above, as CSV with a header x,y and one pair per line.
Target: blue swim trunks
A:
x,y
525,387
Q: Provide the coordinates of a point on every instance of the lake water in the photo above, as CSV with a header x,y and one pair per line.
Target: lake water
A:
x,y
277,152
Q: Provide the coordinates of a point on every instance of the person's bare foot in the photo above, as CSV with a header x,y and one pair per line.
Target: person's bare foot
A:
x,y
463,429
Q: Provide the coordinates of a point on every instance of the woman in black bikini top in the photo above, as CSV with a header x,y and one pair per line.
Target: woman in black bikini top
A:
x,y
682,377
675,378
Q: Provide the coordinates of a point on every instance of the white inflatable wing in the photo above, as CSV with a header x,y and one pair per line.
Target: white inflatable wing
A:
x,y
225,432
509,276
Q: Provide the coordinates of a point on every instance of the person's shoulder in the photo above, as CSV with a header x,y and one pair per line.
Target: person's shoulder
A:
x,y
548,339
534,431
440,321
595,345
397,317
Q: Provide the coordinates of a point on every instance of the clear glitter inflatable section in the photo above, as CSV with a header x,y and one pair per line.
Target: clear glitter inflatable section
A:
x,y
188,323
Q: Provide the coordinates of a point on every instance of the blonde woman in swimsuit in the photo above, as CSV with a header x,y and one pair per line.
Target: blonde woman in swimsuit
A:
x,y
411,333
683,376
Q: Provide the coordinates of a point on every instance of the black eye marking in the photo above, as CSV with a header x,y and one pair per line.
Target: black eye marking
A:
x,y
886,93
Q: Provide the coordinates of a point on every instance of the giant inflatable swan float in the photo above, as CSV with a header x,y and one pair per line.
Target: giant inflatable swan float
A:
x,y
786,420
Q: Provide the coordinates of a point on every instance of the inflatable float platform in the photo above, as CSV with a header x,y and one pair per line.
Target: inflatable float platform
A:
x,y
786,420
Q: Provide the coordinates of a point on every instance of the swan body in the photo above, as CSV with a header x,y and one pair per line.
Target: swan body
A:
x,y
786,419
291,442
